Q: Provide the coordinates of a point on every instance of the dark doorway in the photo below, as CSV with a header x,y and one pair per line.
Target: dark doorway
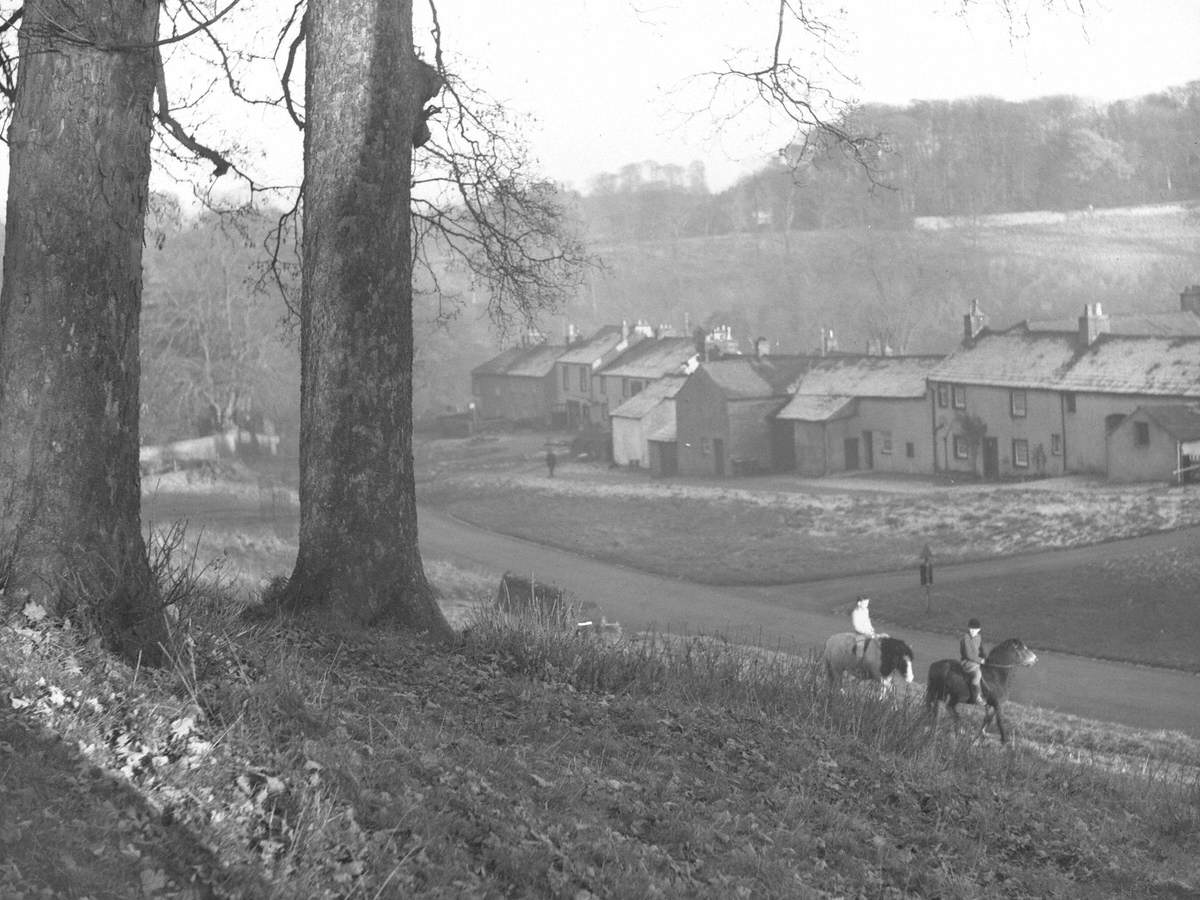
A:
x,y
868,450
783,446
719,456
850,449
991,458
664,458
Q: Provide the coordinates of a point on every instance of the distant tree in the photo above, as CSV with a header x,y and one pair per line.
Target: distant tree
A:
x,y
212,346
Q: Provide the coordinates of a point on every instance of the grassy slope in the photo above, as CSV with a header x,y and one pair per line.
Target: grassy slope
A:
x,y
786,288
526,764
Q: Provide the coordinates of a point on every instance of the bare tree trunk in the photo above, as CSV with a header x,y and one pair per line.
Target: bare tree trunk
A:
x,y
70,518
358,518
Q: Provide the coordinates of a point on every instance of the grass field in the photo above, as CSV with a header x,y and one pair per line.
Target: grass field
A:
x,y
1139,609
781,531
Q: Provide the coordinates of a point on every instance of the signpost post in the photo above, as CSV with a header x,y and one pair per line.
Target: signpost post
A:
x,y
927,575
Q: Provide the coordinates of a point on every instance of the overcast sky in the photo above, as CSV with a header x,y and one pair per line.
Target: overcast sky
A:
x,y
608,82
597,84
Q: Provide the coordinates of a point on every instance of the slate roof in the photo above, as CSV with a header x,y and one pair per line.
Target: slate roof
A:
x,y
652,358
1013,359
530,362
868,376
586,352
649,397
1165,324
1180,420
753,378
1137,365
1114,364
816,408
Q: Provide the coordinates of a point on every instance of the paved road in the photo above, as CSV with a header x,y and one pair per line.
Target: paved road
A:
x,y
795,617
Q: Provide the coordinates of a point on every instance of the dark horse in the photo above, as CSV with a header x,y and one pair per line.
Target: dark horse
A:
x,y
949,682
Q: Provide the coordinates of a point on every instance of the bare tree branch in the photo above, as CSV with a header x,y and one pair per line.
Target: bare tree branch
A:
x,y
221,165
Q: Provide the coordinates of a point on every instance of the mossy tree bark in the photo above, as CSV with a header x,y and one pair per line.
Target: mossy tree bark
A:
x,y
358,556
70,519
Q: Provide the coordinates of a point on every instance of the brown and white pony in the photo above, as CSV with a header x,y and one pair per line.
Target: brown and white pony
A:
x,y
880,659
949,683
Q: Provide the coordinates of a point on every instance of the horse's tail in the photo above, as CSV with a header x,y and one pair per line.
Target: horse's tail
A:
x,y
935,685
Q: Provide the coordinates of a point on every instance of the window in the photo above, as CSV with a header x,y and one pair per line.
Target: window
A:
x,y
583,379
705,445
960,397
943,395
1020,450
635,387
603,384
566,378
910,450
1056,445
885,442
1016,403
1070,403
960,447
1141,434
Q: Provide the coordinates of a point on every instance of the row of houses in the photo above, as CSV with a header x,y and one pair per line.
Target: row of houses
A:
x,y
577,384
1115,395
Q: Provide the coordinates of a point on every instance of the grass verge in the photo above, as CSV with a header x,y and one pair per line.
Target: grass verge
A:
x,y
529,762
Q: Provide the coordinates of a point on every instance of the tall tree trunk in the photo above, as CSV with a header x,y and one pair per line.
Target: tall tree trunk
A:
x,y
70,517
358,517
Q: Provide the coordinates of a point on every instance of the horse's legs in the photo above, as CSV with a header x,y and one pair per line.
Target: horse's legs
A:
x,y
988,713
1000,725
952,705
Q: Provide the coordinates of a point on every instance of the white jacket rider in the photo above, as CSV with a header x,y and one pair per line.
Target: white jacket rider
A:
x,y
860,621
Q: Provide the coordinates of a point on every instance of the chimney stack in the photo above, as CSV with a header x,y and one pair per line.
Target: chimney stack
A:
x,y
828,342
973,323
1092,324
1189,299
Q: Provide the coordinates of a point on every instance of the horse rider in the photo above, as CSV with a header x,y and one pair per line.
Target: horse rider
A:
x,y
860,621
970,650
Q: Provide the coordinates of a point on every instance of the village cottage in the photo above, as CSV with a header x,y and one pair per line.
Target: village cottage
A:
x,y
518,385
862,412
643,428
644,362
577,405
1035,400
723,413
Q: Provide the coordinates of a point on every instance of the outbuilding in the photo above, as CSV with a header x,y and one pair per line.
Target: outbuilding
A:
x,y
1156,443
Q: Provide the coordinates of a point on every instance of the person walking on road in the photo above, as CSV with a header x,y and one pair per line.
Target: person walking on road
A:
x,y
551,462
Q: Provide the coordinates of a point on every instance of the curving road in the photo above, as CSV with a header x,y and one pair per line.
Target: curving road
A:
x,y
793,617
